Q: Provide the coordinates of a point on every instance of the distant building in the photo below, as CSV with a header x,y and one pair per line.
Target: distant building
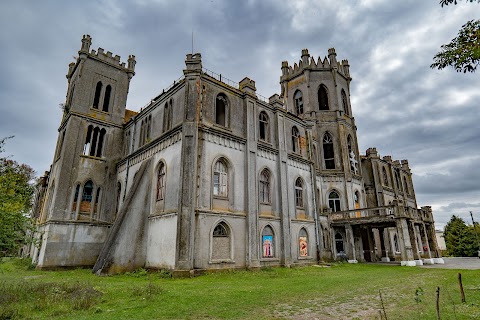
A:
x,y
440,240
211,175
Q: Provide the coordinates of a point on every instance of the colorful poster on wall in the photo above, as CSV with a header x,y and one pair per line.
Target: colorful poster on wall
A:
x,y
267,242
303,246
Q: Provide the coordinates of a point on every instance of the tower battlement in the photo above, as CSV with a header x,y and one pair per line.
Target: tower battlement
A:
x,y
308,62
108,56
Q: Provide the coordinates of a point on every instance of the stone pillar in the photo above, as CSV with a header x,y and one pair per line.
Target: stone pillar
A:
x,y
350,241
429,260
404,243
253,255
414,238
282,169
386,244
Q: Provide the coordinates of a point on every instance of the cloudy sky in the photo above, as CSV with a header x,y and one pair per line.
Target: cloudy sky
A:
x,y
402,107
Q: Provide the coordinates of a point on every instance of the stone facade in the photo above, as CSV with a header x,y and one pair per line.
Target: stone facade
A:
x,y
211,175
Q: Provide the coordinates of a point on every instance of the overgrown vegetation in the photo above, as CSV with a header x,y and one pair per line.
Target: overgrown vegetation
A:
x,y
342,291
16,191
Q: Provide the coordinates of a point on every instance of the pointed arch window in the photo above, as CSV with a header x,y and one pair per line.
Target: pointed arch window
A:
x,y
298,98
75,198
407,189
106,99
161,182
117,203
265,187
86,204
221,109
221,242
166,118
397,180
345,102
264,130
323,98
98,91
299,193
295,140
220,179
303,243
334,201
385,176
328,152
267,242
94,141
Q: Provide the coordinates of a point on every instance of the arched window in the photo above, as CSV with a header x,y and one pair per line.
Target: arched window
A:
x,y
119,193
345,103
149,128
221,242
299,193
161,182
328,153
303,243
323,98
385,176
298,98
397,180
267,242
220,179
97,200
94,141
295,140
166,118
75,198
221,106
106,99
86,204
339,243
98,91
264,130
351,155
264,186
334,201
407,190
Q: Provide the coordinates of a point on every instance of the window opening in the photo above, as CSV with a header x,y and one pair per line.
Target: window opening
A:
x,y
339,243
106,99
295,140
303,243
334,201
265,186
323,98
299,193
267,242
98,90
344,102
220,179
161,182
328,153
264,130
221,110
298,97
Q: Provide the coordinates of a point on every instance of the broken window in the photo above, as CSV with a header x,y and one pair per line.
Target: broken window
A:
x,y
264,133
86,204
221,110
323,98
328,153
98,91
106,99
334,201
295,140
94,141
220,179
265,186
298,98
299,193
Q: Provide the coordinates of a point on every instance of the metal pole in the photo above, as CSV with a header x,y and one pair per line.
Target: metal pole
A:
x,y
476,233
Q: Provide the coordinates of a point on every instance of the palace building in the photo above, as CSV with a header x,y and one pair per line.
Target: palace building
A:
x,y
211,175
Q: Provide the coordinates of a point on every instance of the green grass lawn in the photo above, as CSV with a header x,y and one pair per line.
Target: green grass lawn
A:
x,y
342,291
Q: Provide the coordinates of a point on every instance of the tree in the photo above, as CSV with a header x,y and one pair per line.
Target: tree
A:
x,y
16,192
463,52
460,238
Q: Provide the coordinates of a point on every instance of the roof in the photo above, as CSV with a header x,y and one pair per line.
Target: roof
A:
x,y
128,115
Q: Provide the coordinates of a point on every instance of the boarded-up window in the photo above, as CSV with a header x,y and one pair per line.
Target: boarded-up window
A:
x,y
267,242
221,242
303,243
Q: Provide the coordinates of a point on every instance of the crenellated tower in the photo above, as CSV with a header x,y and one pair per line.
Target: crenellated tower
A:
x,y
318,91
89,144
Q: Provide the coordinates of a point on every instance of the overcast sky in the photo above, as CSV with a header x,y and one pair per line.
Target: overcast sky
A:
x,y
401,106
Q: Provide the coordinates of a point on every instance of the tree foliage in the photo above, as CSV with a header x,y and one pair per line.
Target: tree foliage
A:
x,y
460,238
16,191
463,52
